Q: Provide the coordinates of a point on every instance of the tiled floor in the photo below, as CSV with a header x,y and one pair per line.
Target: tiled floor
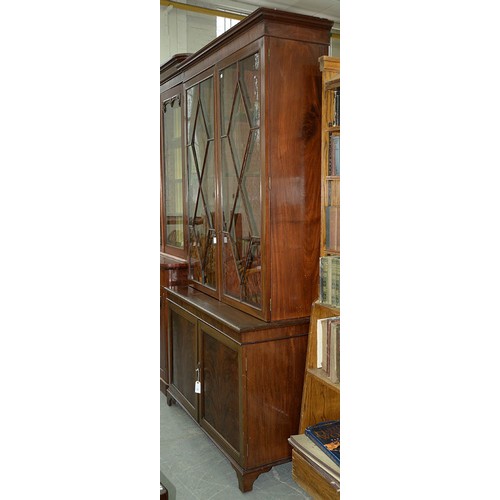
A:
x,y
198,470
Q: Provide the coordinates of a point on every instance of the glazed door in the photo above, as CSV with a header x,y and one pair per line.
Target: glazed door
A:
x,y
221,402
242,189
184,368
172,174
200,153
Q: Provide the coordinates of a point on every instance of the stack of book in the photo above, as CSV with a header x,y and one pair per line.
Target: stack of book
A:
x,y
328,347
320,447
329,280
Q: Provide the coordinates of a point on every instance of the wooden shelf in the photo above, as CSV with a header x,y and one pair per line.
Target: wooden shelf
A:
x,y
333,129
332,84
319,374
331,252
320,396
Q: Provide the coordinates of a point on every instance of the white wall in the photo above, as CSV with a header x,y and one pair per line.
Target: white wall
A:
x,y
183,31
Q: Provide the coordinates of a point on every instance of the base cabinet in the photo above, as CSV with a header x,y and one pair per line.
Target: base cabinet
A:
x,y
172,272
250,376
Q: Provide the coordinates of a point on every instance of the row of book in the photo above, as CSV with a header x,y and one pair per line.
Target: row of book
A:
x,y
333,154
328,348
329,280
320,447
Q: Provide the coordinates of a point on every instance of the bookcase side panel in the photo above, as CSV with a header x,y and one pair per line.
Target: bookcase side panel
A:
x,y
274,378
294,154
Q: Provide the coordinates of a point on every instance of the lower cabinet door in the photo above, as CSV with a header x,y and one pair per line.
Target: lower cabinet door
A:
x,y
183,347
221,402
164,379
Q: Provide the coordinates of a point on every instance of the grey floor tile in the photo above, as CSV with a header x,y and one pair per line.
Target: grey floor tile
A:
x,y
199,471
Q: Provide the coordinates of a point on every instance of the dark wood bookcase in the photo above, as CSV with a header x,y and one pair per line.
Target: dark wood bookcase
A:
x,y
250,106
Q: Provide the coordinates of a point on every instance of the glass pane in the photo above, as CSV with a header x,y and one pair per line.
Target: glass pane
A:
x,y
239,129
251,183
228,79
201,185
250,87
208,185
241,183
193,184
242,266
229,184
172,175
200,139
191,107
207,104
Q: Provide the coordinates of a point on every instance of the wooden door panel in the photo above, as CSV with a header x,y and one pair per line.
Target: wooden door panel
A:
x,y
221,401
163,346
183,347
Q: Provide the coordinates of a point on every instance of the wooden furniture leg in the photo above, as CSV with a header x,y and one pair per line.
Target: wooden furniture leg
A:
x,y
246,480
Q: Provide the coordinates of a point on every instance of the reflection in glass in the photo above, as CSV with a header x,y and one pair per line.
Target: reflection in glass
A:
x,y
241,180
201,183
172,175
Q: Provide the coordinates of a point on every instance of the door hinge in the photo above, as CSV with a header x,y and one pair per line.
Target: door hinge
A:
x,y
270,309
269,183
247,450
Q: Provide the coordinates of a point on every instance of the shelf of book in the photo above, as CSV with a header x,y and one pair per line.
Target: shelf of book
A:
x,y
320,396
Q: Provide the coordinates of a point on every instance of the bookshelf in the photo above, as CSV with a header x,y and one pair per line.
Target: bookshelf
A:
x,y
321,396
330,156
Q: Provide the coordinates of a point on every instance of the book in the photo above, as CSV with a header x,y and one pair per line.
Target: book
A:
x,y
336,155
332,227
330,167
333,154
309,450
334,349
325,365
327,436
335,281
329,282
320,340
326,347
336,106
325,291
